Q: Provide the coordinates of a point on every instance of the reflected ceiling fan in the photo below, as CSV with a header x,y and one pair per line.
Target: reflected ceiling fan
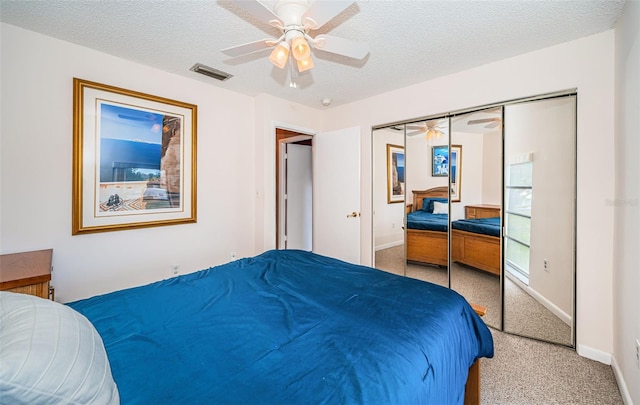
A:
x,y
430,129
493,122
295,19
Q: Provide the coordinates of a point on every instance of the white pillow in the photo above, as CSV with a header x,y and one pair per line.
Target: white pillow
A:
x,y
51,354
440,208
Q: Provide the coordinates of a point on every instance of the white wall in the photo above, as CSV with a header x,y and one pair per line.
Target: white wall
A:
x,y
626,204
388,218
492,168
585,64
36,131
471,166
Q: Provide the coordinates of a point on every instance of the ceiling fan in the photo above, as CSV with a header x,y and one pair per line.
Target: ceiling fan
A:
x,y
430,129
295,19
493,122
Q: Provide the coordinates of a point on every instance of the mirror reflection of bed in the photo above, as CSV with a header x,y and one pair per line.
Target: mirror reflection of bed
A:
x,y
538,307
475,247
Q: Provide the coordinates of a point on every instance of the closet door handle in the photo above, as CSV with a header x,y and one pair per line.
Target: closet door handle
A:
x,y
353,215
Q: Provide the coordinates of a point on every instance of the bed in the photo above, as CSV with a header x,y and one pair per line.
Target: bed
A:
x,y
425,245
282,327
474,241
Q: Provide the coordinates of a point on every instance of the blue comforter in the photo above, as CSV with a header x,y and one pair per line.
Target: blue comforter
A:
x,y
485,226
289,327
427,221
440,222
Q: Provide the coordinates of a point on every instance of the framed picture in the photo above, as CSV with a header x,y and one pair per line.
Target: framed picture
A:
x,y
395,174
445,162
440,159
455,164
134,159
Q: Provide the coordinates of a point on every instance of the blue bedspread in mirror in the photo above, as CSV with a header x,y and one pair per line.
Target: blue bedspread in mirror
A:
x,y
485,226
289,327
427,221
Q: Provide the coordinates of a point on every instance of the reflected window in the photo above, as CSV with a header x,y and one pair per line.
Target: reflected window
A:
x,y
519,193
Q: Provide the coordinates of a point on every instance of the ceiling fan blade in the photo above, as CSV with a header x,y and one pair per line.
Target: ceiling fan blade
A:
x,y
493,124
322,12
414,133
482,121
341,46
421,127
257,9
250,47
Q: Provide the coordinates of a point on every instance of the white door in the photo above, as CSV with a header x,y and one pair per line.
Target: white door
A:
x,y
336,194
299,197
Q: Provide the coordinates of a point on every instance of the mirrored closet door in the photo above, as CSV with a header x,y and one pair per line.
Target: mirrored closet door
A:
x,y
539,215
388,199
476,199
483,201
427,197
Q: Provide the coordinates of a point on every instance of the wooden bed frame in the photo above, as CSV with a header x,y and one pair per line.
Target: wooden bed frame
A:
x,y
424,246
430,247
476,250
472,388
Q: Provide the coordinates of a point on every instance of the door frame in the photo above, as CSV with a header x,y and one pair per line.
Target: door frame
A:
x,y
282,137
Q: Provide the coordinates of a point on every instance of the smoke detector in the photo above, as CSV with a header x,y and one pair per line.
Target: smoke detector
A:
x,y
326,101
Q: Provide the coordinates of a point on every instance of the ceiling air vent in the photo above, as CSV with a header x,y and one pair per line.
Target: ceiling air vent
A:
x,y
211,72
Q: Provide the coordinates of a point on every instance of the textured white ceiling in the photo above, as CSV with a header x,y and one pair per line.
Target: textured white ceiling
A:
x,y
410,41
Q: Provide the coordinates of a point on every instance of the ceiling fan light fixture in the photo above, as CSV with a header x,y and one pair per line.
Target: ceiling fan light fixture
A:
x,y
300,48
304,64
280,55
433,133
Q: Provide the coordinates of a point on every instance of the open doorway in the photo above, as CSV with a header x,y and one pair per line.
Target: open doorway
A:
x,y
294,185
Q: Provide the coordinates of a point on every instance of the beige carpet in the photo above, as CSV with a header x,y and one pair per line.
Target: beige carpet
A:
x,y
527,371
523,371
523,315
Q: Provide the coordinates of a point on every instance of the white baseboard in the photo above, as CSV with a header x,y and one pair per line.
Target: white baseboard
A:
x,y
594,354
624,391
566,318
390,245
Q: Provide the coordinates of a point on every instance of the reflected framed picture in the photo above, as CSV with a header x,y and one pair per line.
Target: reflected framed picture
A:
x,y
445,163
134,159
455,164
395,174
440,161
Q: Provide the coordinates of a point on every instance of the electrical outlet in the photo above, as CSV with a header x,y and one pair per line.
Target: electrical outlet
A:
x,y
638,353
175,269
546,265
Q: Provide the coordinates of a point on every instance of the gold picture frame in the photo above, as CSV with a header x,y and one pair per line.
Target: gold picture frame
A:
x,y
455,179
134,159
395,174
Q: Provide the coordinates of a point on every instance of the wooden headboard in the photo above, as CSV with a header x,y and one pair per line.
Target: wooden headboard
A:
x,y
436,192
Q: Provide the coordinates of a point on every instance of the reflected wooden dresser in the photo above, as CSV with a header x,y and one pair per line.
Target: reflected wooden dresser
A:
x,y
481,211
27,273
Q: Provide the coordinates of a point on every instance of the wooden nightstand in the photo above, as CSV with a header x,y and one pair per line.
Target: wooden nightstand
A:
x,y
27,273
